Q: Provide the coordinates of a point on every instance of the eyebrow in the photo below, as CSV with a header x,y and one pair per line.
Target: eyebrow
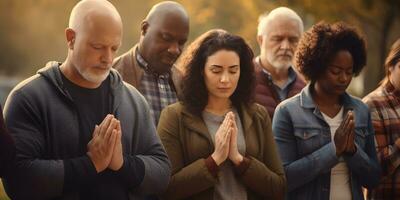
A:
x,y
341,67
232,66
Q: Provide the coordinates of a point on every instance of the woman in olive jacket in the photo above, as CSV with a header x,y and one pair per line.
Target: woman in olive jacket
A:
x,y
220,144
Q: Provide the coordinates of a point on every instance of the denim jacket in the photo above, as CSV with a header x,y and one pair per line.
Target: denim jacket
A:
x,y
308,154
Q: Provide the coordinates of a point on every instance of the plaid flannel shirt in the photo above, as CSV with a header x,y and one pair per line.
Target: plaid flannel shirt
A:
x,y
384,104
158,89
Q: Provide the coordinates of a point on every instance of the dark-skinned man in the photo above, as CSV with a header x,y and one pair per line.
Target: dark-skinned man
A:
x,y
149,65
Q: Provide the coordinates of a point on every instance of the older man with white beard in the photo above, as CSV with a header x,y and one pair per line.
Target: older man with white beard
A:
x,y
278,34
81,132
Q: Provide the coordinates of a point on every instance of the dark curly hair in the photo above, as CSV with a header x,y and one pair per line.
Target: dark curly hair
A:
x,y
193,60
321,42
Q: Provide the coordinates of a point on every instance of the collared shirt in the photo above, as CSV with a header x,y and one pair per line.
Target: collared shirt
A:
x,y
158,89
384,104
282,91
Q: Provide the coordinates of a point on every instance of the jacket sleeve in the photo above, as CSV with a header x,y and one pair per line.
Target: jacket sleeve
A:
x,y
388,153
187,179
34,176
266,176
157,168
299,170
364,163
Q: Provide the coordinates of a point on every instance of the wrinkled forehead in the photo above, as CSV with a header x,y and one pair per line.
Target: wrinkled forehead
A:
x,y
283,26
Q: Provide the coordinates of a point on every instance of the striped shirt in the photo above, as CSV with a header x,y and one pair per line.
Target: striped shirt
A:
x,y
384,104
158,89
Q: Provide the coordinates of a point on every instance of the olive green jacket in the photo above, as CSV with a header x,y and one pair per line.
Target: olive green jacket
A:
x,y
188,143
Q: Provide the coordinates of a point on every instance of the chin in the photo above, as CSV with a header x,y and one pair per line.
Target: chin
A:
x,y
95,78
282,65
224,96
166,67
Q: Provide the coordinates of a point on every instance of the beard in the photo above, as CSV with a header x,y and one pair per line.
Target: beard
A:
x,y
93,77
279,62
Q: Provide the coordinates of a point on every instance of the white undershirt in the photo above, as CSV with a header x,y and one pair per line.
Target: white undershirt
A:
x,y
340,182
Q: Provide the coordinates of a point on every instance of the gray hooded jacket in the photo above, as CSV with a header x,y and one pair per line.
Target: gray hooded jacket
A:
x,y
44,123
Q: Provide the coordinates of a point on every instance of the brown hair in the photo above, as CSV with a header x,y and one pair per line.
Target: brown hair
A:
x,y
195,94
391,60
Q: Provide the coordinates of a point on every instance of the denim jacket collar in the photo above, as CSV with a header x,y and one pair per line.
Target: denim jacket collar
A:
x,y
306,100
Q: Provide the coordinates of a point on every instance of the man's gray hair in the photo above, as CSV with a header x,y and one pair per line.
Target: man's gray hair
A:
x,y
266,17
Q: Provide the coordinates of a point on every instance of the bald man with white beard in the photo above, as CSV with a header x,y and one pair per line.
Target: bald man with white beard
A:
x,y
278,33
80,131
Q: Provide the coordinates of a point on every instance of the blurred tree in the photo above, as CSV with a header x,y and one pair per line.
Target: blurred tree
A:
x,y
378,19
32,31
237,16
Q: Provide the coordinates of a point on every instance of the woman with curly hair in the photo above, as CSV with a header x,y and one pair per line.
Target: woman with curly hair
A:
x,y
384,104
325,136
219,142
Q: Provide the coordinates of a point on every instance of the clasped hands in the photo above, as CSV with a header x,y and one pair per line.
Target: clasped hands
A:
x,y
344,136
225,142
105,147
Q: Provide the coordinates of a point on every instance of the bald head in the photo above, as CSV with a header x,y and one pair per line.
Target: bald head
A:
x,y
278,14
164,9
94,36
87,12
164,32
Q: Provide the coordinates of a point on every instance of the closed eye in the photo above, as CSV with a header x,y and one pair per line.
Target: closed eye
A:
x,y
216,70
98,47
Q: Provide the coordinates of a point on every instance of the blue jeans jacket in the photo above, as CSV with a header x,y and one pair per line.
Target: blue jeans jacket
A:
x,y
308,154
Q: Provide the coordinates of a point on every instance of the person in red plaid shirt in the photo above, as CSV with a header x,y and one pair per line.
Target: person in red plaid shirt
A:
x,y
384,104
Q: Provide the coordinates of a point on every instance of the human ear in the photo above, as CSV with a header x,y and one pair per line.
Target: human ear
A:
x,y
143,27
259,40
70,35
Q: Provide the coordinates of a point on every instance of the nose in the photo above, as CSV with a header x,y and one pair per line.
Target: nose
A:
x,y
285,44
174,49
224,77
344,77
108,56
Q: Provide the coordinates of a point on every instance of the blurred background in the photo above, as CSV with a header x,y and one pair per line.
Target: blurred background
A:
x,y
32,31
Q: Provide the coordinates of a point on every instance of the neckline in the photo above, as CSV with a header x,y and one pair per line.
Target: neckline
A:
x,y
336,117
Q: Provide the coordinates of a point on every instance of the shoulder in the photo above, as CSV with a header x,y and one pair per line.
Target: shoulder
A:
x,y
300,80
292,108
30,96
291,102
133,92
358,103
360,107
123,60
378,95
256,111
174,109
171,114
34,86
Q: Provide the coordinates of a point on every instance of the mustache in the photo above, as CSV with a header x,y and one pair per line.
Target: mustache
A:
x,y
285,54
